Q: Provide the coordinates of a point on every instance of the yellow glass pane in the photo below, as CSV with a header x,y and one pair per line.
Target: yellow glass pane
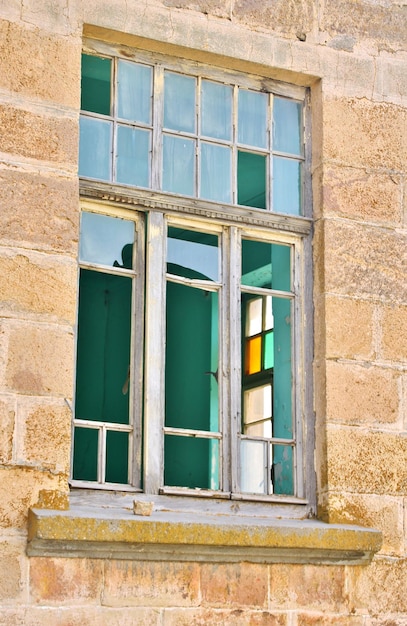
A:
x,y
253,355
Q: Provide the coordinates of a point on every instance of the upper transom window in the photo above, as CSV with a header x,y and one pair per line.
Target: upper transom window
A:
x,y
192,133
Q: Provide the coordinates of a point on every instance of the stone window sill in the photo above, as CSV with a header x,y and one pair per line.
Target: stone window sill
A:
x,y
104,526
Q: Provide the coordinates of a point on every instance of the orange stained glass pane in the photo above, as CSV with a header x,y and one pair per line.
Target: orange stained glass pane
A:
x,y
253,355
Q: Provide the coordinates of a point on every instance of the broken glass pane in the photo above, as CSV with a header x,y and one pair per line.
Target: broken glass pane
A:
x,y
282,469
251,180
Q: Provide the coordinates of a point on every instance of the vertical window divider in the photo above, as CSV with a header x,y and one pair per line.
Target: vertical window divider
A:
x,y
234,387
158,117
102,454
234,143
270,180
154,362
113,112
297,360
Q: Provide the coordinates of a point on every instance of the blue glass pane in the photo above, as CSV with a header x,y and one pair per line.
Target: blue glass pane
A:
x,y
216,173
192,254
95,148
133,156
179,102
216,110
106,240
179,165
134,92
95,94
252,118
286,186
287,125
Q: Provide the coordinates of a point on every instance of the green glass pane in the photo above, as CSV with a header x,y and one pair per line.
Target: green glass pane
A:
x,y
286,186
179,165
282,470
252,118
179,102
85,454
95,139
216,170
251,180
268,350
117,457
191,462
266,265
216,110
287,125
282,372
133,156
106,240
95,95
192,254
191,358
134,91
103,352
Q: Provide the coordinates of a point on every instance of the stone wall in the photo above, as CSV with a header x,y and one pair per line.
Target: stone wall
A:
x,y
353,55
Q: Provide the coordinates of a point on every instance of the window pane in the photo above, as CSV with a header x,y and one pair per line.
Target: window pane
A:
x,y
117,457
287,125
253,466
95,95
134,92
286,186
253,356
254,317
216,110
266,265
216,173
179,165
268,350
191,358
191,462
103,351
252,118
251,180
85,457
179,102
258,406
282,470
133,156
106,240
95,148
192,254
282,371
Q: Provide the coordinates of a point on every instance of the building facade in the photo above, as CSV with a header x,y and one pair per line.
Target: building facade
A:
x,y
203,388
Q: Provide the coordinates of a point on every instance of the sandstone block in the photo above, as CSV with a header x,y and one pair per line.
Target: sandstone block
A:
x,y
40,65
44,434
41,137
134,583
40,360
379,588
365,20
65,581
366,462
52,15
11,574
353,133
364,261
382,512
349,328
10,9
360,194
394,333
7,421
320,588
208,7
391,80
39,284
215,617
362,394
237,584
83,615
322,619
292,17
27,202
19,489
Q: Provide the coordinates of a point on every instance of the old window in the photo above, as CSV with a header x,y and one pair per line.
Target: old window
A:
x,y
191,345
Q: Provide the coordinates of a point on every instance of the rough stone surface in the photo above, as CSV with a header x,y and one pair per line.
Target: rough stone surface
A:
x,y
208,7
7,421
214,617
58,581
394,334
294,17
378,587
346,336
224,584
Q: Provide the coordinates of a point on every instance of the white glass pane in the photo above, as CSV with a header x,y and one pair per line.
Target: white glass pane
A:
x,y
216,110
95,148
257,404
287,125
286,186
133,156
268,320
106,240
134,91
216,173
254,317
179,102
253,462
252,118
179,165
